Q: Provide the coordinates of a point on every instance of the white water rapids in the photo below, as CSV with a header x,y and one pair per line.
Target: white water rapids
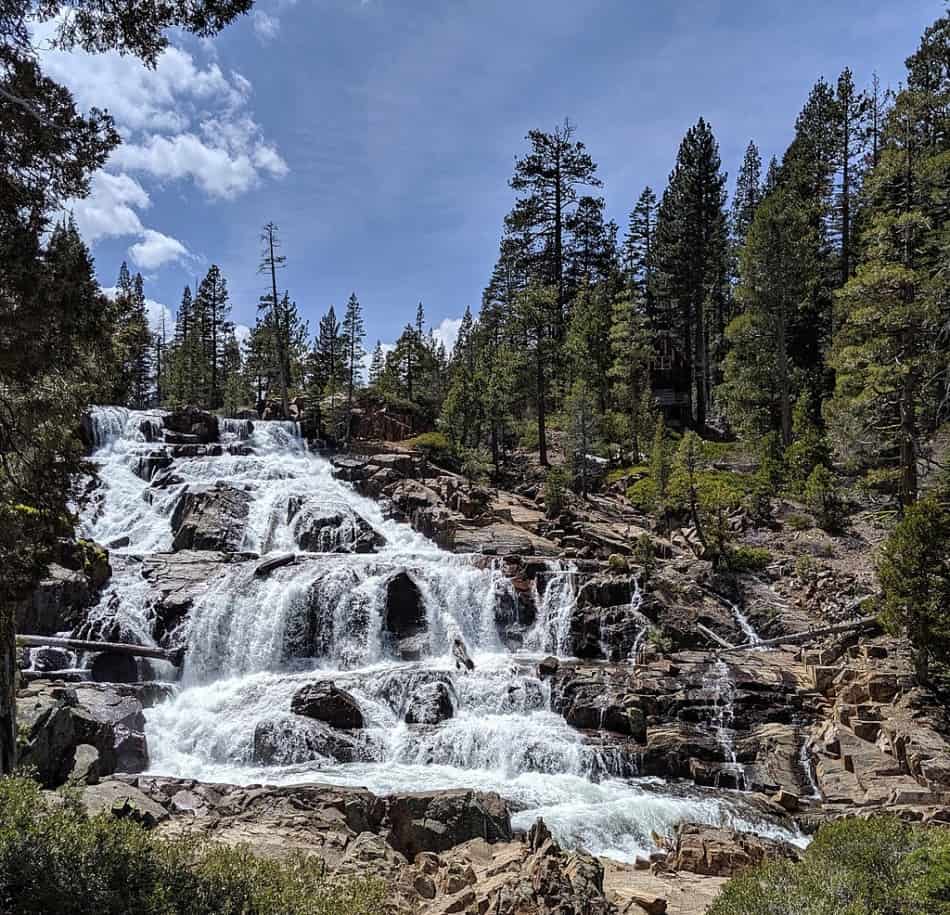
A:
x,y
239,671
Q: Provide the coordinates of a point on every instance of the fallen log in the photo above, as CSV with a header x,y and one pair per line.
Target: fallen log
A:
x,y
722,643
866,622
172,655
275,562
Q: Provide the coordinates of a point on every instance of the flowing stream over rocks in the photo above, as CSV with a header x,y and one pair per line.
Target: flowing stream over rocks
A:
x,y
369,604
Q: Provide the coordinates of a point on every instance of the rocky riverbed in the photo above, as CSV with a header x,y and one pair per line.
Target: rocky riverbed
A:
x,y
602,754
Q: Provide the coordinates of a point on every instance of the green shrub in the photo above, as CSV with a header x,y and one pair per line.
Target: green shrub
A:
x,y
617,564
799,522
556,484
434,445
57,859
643,495
878,866
821,497
621,473
747,558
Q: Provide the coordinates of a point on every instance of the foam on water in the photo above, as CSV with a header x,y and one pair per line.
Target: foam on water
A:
x,y
329,609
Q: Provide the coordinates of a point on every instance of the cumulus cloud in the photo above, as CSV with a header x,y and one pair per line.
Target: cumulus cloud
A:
x,y
156,249
447,332
184,120
110,208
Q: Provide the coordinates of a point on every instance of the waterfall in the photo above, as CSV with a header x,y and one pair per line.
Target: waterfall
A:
x,y
380,624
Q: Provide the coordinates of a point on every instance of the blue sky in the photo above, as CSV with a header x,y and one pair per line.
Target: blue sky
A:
x,y
380,134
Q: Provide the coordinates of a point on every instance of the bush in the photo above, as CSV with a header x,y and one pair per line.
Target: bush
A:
x,y
879,865
821,496
747,558
799,522
914,572
644,495
434,445
556,484
57,859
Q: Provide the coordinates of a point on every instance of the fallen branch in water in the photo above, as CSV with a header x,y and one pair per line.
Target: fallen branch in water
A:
x,y
172,655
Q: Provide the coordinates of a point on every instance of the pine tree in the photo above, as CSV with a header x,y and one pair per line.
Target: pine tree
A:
x,y
631,351
377,365
211,309
549,177
759,378
462,401
272,261
354,333
852,134
890,362
329,357
691,261
639,249
748,195
581,409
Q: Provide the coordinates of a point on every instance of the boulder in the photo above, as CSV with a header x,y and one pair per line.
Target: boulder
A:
x,y
438,820
405,613
190,421
55,721
109,667
211,518
430,703
124,802
57,602
319,529
720,852
294,739
323,701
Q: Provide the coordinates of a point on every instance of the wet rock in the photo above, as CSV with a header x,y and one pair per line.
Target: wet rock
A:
x,y
57,602
179,578
211,518
55,720
438,820
319,530
152,463
323,701
430,703
108,667
49,659
190,421
720,852
291,740
405,613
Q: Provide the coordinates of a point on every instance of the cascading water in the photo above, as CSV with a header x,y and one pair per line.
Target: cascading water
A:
x,y
252,641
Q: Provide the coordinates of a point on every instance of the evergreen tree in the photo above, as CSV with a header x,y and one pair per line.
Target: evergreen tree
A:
x,y
210,310
548,178
748,195
329,358
463,401
691,261
631,351
377,365
581,410
889,356
639,249
278,320
914,572
852,137
354,333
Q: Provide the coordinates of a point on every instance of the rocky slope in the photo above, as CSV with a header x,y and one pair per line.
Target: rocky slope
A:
x,y
796,733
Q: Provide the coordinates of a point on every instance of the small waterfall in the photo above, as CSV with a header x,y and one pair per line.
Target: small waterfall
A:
x,y
805,761
556,603
719,681
752,637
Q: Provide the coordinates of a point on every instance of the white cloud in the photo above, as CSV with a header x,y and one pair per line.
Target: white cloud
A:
x,y
447,332
266,26
184,120
156,249
109,210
